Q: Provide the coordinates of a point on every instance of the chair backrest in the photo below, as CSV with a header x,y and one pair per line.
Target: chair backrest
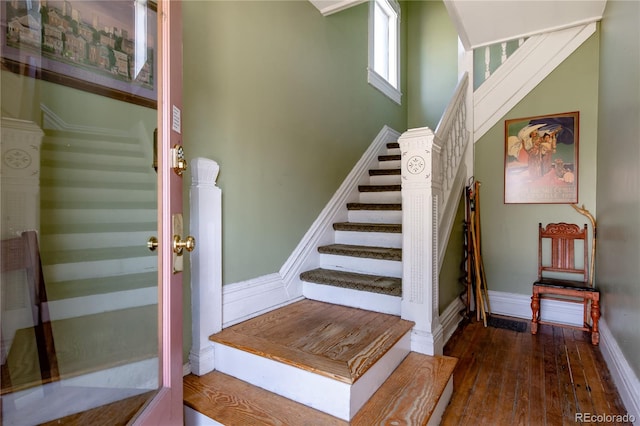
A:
x,y
563,238
23,253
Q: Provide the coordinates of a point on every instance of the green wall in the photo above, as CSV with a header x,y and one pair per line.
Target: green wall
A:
x,y
618,213
277,94
510,230
452,268
432,62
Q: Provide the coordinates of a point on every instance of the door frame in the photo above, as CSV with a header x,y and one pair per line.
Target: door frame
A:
x,y
166,408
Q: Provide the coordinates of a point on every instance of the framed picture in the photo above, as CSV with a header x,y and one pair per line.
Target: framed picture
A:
x,y
541,159
103,47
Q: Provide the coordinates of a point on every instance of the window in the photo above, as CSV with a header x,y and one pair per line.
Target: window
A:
x,y
384,48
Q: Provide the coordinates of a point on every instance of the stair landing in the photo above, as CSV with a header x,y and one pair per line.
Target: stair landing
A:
x,y
320,357
335,341
328,357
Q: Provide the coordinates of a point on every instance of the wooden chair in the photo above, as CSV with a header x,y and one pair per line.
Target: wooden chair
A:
x,y
564,237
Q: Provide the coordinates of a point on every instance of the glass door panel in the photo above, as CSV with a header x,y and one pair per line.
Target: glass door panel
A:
x,y
79,287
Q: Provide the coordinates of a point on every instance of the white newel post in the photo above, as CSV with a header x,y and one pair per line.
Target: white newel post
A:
x,y
420,189
206,262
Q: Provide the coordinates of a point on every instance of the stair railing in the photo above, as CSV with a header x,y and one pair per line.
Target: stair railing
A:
x,y
433,172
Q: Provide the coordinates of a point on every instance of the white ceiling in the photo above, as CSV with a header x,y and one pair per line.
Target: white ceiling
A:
x,y
327,7
485,22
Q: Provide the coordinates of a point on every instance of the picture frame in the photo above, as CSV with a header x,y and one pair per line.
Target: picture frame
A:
x,y
103,47
541,159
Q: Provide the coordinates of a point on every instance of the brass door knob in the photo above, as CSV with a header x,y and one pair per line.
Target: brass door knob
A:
x,y
179,245
152,244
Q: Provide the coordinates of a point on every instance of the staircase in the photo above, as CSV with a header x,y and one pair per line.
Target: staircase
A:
x,y
98,208
367,254
352,340
312,362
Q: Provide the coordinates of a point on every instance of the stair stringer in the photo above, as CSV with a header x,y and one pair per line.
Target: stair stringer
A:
x,y
521,72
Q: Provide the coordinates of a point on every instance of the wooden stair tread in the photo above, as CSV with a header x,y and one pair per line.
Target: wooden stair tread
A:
x,y
382,253
368,227
391,286
233,402
410,395
331,340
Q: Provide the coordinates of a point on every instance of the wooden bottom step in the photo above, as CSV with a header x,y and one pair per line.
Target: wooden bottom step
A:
x,y
415,394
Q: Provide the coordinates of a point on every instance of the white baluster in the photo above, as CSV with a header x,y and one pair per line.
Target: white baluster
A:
x,y
503,58
487,61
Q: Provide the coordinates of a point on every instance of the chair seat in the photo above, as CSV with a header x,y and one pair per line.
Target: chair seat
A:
x,y
568,284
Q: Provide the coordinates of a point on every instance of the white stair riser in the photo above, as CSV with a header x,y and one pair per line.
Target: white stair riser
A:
x,y
331,396
92,158
88,175
362,265
364,388
64,216
96,194
100,268
375,302
381,197
391,164
375,216
313,390
385,180
70,144
98,240
373,239
393,151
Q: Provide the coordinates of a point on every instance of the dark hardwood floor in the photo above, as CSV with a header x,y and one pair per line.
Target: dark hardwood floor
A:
x,y
505,377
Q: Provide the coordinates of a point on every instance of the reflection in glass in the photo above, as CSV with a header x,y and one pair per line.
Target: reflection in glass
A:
x,y
78,286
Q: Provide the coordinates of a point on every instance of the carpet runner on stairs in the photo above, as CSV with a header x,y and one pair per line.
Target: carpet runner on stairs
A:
x,y
373,283
366,254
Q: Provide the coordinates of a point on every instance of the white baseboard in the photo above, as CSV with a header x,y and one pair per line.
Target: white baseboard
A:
x,y
450,318
623,375
519,306
247,299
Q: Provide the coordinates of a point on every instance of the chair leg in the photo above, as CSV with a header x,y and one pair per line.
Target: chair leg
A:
x,y
595,316
535,310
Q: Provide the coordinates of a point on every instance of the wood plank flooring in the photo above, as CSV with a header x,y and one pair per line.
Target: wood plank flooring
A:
x,y
504,377
331,340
